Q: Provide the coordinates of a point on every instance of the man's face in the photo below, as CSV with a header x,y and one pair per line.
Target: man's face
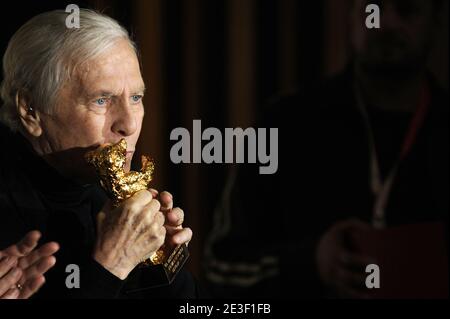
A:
x,y
402,42
101,104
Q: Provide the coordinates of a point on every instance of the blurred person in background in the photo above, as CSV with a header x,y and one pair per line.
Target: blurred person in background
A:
x,y
367,149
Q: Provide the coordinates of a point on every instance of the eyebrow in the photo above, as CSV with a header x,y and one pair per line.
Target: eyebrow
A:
x,y
141,90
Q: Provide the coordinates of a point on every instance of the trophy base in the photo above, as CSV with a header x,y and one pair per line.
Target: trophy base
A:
x,y
163,274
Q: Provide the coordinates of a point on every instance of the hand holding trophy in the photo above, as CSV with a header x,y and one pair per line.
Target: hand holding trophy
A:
x,y
109,161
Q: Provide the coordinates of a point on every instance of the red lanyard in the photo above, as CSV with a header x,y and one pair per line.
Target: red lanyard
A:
x,y
416,122
382,189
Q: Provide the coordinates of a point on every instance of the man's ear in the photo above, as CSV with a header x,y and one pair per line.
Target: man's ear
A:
x,y
29,117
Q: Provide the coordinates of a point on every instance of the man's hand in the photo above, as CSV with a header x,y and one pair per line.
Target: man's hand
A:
x,y
9,278
176,234
339,268
128,234
23,266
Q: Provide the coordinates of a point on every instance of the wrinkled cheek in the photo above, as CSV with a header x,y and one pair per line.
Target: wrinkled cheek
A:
x,y
139,122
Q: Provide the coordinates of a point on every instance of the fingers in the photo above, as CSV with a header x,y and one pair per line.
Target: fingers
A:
x,y
150,220
153,207
139,208
159,219
39,268
12,293
140,199
44,251
25,262
175,217
149,211
9,280
9,276
174,221
31,287
153,220
166,201
154,192
6,264
154,235
25,246
179,236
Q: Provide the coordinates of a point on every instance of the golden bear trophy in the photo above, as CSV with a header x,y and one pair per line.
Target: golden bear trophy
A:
x,y
109,162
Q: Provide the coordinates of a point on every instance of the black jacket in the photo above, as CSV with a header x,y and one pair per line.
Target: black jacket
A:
x,y
33,196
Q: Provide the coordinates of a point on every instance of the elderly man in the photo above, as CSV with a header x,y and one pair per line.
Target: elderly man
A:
x,y
66,91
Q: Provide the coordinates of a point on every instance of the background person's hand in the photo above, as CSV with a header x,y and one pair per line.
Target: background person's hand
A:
x,y
128,234
339,268
23,265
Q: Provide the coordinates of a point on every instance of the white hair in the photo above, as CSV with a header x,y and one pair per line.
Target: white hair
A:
x,y
43,54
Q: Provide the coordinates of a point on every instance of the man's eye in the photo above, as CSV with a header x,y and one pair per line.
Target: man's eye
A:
x,y
136,98
101,101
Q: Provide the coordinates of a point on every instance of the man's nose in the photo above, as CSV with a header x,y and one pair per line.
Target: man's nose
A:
x,y
124,123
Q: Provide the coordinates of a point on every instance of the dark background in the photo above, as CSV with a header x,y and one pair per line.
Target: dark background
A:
x,y
218,61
